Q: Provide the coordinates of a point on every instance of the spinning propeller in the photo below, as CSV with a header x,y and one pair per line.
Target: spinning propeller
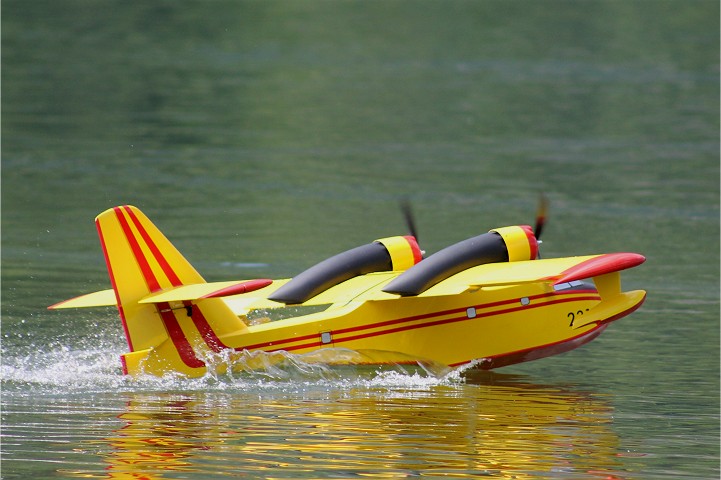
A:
x,y
408,216
541,216
541,212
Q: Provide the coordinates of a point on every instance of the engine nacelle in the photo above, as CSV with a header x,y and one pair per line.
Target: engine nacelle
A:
x,y
386,254
505,244
520,242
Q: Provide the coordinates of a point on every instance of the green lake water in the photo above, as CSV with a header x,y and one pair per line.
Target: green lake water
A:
x,y
265,136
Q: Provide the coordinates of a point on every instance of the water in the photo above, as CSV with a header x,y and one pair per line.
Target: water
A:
x,y
265,136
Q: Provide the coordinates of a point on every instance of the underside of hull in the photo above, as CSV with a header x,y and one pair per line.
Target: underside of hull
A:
x,y
539,352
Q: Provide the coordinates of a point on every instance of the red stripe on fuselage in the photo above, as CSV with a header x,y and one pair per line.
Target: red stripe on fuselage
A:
x,y
460,319
464,309
415,318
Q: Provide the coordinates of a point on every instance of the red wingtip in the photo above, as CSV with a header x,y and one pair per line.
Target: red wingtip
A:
x,y
607,263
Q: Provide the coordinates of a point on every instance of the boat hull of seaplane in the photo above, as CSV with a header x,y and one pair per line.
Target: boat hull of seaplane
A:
x,y
378,304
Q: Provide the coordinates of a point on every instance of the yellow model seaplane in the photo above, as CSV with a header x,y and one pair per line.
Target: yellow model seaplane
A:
x,y
486,299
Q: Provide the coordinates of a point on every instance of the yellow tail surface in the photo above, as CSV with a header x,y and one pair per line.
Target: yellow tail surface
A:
x,y
164,336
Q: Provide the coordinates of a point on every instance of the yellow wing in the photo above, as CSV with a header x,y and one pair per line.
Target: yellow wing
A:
x,y
555,271
502,274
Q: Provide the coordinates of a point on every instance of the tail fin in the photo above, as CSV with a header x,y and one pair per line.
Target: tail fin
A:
x,y
162,336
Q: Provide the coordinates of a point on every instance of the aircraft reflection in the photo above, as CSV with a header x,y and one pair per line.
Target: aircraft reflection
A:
x,y
492,424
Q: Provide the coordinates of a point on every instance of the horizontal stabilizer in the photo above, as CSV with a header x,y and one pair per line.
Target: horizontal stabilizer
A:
x,y
103,298
201,291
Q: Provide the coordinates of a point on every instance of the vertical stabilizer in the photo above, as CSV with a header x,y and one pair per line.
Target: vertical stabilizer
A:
x,y
161,336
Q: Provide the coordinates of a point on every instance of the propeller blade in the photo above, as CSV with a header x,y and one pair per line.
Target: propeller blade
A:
x,y
409,217
541,213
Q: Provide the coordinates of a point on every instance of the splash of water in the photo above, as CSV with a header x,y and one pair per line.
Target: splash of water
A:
x,y
93,367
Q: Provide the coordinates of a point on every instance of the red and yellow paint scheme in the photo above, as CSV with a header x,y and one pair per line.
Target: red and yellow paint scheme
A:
x,y
487,300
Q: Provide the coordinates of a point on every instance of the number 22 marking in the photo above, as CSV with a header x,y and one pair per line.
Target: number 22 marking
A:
x,y
572,316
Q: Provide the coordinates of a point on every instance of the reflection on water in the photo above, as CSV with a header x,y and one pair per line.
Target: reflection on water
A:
x,y
489,425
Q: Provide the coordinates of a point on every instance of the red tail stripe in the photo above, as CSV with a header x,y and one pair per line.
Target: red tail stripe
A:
x,y
150,280
182,345
201,323
206,331
185,350
159,257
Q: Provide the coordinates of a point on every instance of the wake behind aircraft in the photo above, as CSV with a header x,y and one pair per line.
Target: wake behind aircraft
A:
x,y
488,300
